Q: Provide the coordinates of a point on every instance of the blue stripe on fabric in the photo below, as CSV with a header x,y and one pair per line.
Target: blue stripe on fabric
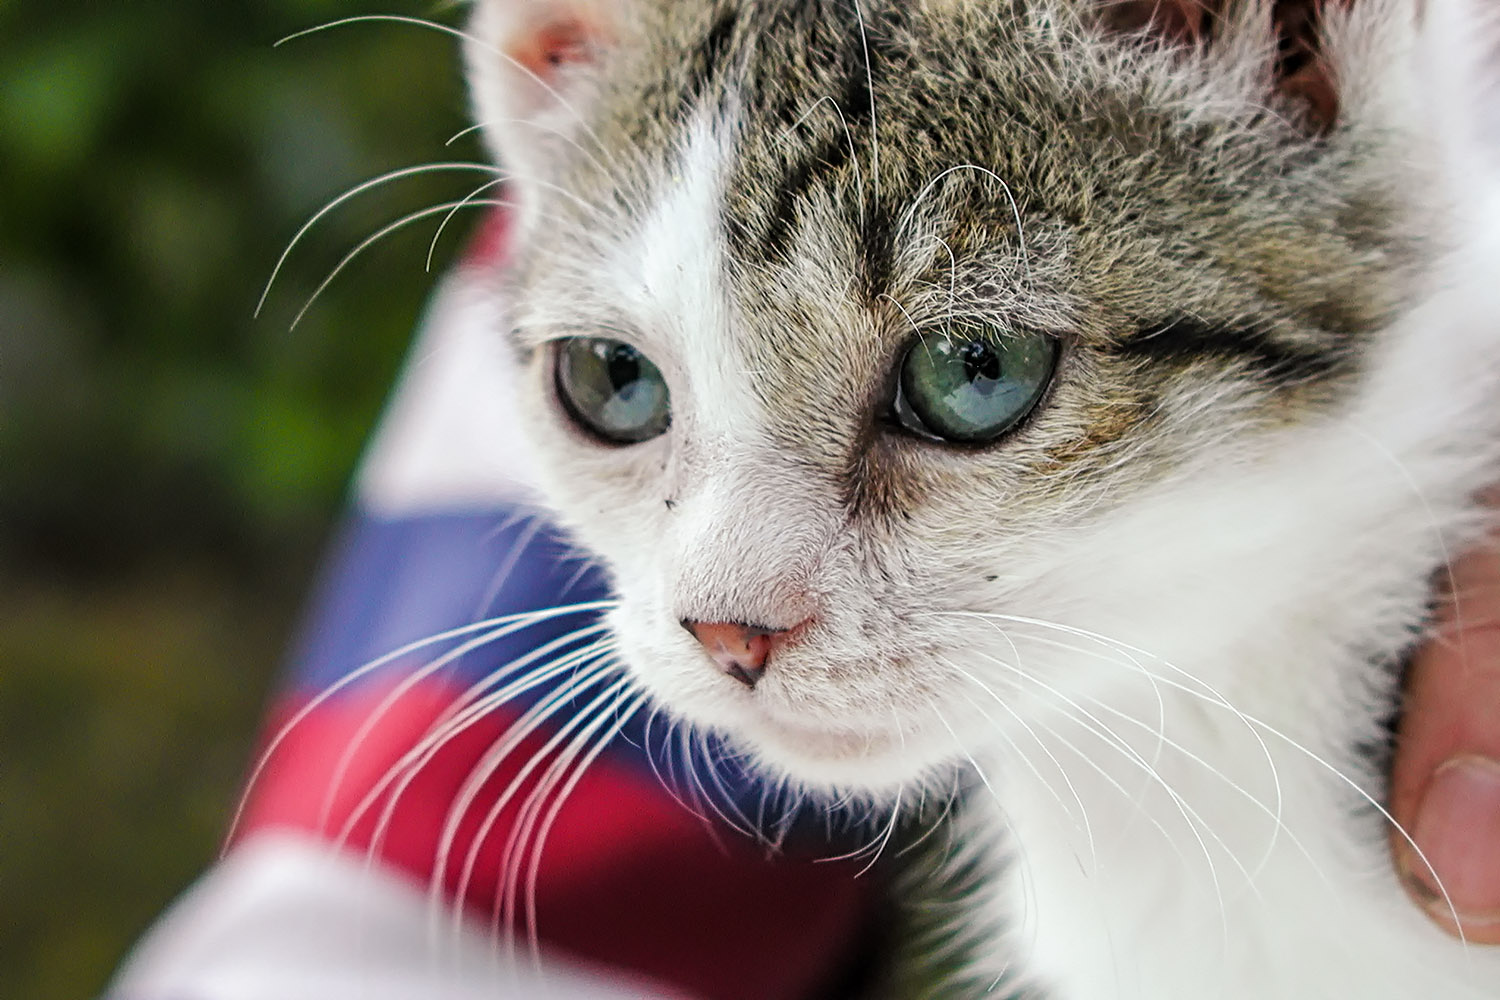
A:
x,y
391,582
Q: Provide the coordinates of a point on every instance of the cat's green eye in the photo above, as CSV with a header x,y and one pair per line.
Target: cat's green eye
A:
x,y
971,385
612,390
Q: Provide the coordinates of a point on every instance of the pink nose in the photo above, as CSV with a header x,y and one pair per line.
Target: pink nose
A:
x,y
739,650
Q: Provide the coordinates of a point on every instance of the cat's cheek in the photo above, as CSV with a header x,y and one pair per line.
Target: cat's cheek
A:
x,y
606,496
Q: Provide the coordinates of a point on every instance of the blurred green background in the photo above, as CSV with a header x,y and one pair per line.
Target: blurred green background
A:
x,y
169,464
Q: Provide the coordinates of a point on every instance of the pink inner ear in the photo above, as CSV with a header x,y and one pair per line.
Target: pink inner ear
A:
x,y
1178,22
1302,72
1302,69
554,45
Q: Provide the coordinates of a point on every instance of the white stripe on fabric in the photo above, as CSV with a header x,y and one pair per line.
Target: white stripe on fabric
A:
x,y
286,918
448,440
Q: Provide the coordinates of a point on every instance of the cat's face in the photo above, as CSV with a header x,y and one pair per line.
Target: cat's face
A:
x,y
944,336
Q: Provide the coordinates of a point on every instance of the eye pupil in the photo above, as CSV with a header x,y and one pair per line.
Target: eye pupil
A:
x,y
624,366
980,363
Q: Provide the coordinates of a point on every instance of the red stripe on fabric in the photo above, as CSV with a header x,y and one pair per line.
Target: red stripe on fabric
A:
x,y
628,878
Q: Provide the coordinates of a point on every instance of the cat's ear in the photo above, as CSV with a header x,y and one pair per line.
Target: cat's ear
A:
x,y
1305,71
1175,22
1289,36
532,71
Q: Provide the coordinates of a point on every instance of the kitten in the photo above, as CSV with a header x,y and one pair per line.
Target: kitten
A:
x,y
1084,393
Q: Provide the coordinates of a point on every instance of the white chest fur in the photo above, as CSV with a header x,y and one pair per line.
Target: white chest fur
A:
x,y
1218,860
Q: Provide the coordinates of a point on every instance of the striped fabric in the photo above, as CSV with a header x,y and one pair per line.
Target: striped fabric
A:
x,y
371,863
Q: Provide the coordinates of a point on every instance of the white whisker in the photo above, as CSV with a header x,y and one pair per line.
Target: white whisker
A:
x,y
623,715
1197,826
1015,209
466,711
461,36
700,792
512,556
668,781
518,620
415,678
358,189
381,234
1083,814
859,181
1156,680
874,119
738,821
467,200
485,769
1275,813
1432,519
566,743
551,130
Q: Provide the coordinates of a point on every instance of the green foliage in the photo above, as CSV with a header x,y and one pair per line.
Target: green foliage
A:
x,y
168,461
157,157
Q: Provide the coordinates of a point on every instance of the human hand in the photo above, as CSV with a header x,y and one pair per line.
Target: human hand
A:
x,y
1445,785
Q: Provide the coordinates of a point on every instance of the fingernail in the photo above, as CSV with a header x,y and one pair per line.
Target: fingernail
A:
x,y
1458,832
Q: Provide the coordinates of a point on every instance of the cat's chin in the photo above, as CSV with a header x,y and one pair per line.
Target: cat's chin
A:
x,y
879,762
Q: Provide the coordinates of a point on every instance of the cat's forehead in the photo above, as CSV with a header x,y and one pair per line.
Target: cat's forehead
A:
x,y
881,149
774,146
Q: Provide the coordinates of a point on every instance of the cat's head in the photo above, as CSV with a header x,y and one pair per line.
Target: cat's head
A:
x,y
920,342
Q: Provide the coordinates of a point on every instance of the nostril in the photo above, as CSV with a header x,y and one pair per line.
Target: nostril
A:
x,y
740,650
745,674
